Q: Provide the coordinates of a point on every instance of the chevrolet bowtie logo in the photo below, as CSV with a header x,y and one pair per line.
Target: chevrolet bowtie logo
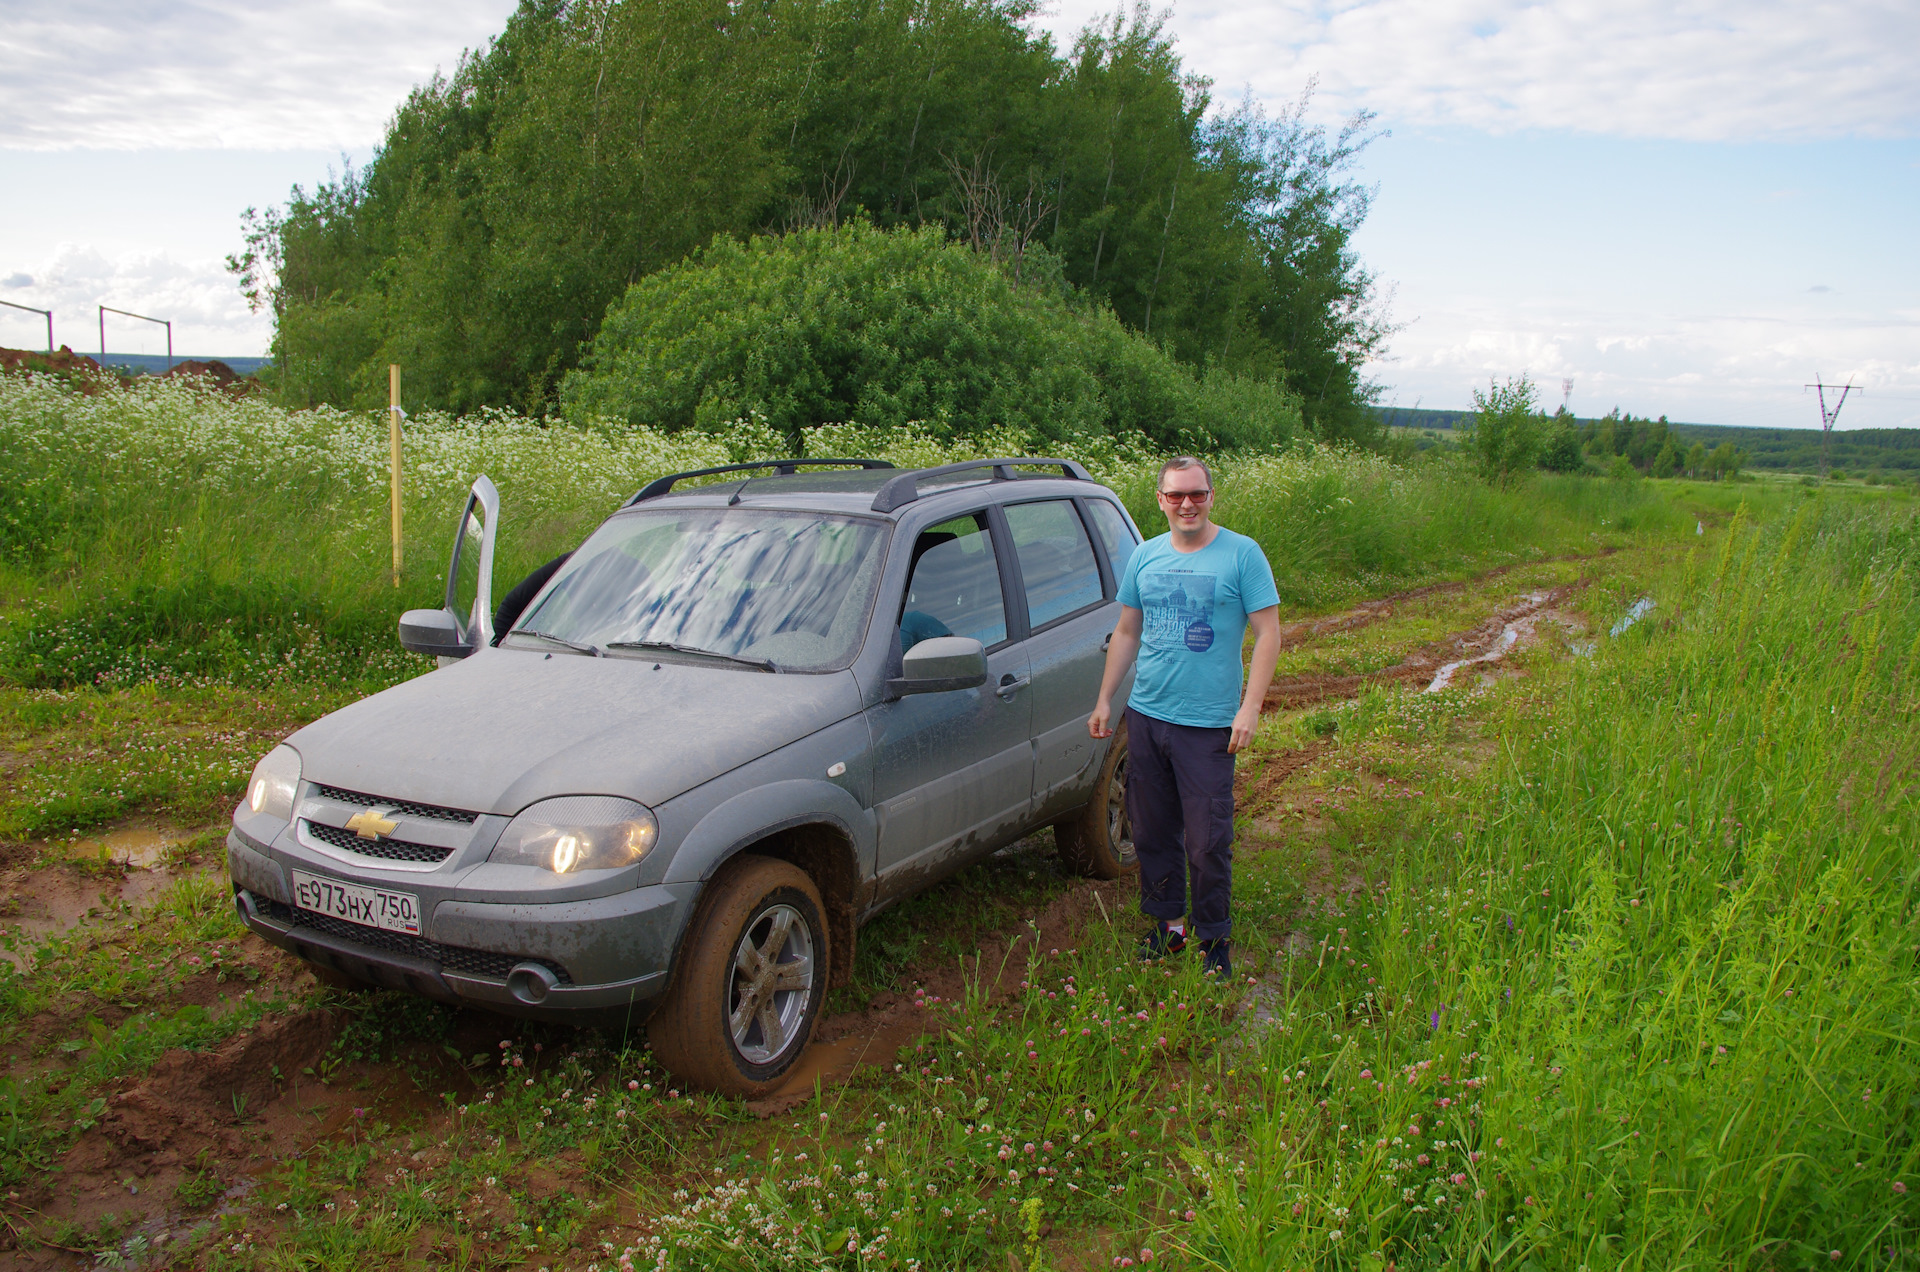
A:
x,y
369,824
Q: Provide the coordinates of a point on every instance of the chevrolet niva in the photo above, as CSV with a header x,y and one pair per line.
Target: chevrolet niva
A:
x,y
738,721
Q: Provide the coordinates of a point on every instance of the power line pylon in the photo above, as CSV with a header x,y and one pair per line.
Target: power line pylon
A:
x,y
1828,418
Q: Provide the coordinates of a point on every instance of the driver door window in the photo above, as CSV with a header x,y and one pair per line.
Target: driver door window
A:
x,y
954,588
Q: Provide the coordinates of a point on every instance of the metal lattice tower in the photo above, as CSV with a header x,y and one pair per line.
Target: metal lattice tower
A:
x,y
1828,418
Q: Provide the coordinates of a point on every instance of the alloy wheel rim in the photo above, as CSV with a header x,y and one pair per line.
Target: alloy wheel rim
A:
x,y
771,984
1119,825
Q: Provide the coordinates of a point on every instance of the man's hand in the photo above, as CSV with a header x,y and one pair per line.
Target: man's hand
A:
x,y
1266,653
1121,648
1245,721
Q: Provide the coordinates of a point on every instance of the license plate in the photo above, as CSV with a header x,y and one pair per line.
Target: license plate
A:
x,y
357,903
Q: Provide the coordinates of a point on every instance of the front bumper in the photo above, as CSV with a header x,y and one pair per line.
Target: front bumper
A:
x,y
608,955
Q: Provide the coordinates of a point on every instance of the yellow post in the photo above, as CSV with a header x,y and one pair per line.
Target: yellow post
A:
x,y
393,422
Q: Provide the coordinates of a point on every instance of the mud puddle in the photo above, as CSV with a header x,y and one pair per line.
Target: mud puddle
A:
x,y
1519,628
1434,665
126,869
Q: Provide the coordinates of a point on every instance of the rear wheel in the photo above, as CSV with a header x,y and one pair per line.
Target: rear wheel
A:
x,y
1097,841
752,975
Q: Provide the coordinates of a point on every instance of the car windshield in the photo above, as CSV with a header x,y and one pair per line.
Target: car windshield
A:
x,y
785,591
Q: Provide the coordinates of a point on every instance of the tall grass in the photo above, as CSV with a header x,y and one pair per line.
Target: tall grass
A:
x,y
163,529
1652,1004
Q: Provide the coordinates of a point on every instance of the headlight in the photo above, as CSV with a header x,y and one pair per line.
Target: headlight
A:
x,y
274,780
578,832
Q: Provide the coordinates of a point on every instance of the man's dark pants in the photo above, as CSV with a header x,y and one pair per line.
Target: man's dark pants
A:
x,y
1180,797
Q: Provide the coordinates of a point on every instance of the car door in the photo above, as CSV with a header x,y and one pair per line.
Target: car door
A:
x,y
464,623
1070,614
952,771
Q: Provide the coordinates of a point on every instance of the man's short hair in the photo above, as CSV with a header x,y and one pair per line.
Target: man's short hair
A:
x,y
1180,463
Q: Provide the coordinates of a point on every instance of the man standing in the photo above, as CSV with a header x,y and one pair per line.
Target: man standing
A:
x,y
1187,599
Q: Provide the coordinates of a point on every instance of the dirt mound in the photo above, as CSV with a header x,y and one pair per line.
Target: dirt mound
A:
x,y
189,1099
76,369
189,1105
216,372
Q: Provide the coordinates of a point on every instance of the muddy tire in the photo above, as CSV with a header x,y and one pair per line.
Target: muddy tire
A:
x,y
751,977
1098,840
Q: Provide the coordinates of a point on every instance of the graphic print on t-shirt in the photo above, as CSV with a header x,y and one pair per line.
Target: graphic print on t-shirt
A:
x,y
1177,611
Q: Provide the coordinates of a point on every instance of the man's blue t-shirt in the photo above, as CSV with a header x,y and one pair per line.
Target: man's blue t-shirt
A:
x,y
1194,608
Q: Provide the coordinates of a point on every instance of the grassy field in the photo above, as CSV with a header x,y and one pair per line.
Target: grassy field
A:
x,y
1603,957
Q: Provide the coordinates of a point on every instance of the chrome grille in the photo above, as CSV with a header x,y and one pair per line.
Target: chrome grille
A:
x,y
390,849
452,958
404,809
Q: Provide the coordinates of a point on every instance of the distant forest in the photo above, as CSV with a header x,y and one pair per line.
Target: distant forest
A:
x,y
1893,452
592,145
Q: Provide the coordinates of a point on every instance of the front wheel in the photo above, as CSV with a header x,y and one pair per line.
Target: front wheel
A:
x,y
1097,841
752,976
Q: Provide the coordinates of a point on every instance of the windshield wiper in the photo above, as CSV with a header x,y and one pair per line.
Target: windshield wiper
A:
x,y
764,664
576,646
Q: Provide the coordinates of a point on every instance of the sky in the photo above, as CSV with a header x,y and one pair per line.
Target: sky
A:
x,y
1690,209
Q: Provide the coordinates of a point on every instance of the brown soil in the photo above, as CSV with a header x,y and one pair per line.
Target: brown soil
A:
x,y
77,369
1420,665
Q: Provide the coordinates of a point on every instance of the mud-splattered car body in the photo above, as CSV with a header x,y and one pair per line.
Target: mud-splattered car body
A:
x,y
373,844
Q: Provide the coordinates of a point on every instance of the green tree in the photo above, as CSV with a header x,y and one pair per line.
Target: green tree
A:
x,y
861,325
1666,461
1696,463
595,142
1561,451
1724,461
1508,431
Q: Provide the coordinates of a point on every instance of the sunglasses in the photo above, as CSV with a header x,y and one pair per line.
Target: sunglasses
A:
x,y
1195,497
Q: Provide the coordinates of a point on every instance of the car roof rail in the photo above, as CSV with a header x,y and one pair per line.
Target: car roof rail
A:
x,y
904,489
782,468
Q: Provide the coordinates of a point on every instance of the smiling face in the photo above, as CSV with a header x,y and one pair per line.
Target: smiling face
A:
x,y
1186,497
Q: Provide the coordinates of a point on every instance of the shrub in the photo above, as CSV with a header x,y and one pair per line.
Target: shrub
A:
x,y
1561,454
1508,432
881,329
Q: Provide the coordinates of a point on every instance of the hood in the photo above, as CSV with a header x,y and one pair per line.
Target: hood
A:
x,y
505,727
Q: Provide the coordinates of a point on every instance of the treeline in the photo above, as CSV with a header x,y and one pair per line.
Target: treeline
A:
x,y
1876,453
593,144
1508,434
1657,448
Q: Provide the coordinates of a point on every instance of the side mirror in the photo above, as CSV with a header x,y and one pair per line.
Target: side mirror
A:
x,y
939,664
436,632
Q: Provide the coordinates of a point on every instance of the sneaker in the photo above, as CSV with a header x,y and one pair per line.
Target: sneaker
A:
x,y
1218,960
1161,942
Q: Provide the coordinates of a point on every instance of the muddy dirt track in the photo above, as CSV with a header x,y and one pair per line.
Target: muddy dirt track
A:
x,y
254,1102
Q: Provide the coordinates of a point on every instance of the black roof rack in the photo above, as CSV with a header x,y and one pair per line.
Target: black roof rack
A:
x,y
904,489
782,468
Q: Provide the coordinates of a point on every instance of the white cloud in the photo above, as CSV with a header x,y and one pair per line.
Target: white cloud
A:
x,y
261,74
1699,70
208,314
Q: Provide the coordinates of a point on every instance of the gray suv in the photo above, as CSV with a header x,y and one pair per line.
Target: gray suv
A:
x,y
737,722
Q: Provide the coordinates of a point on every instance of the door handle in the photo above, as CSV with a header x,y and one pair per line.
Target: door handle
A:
x,y
1106,642
1010,685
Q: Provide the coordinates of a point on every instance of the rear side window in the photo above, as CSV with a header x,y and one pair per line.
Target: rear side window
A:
x,y
1115,533
954,589
1056,559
